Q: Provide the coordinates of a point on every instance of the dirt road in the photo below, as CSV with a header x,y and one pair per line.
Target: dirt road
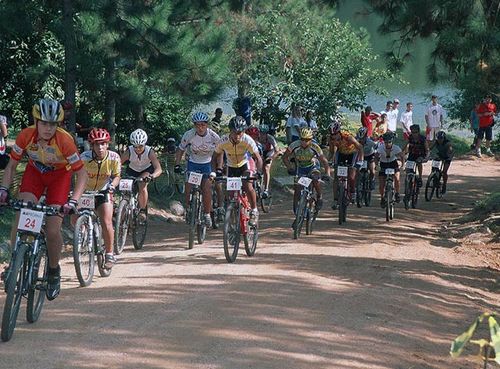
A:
x,y
368,294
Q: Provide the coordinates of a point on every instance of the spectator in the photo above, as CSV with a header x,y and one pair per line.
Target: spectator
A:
x,y
474,124
217,120
367,119
380,127
294,123
243,106
310,122
395,106
392,116
485,112
433,119
407,120
269,116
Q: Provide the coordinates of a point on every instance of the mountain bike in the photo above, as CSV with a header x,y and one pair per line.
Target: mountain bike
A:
x,y
28,269
344,194
195,218
306,207
434,184
389,194
169,182
265,203
236,219
363,186
129,216
87,240
412,188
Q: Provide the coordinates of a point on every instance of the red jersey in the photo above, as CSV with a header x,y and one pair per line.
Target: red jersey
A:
x,y
486,120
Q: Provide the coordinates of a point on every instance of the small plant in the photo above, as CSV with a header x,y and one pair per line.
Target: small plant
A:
x,y
489,350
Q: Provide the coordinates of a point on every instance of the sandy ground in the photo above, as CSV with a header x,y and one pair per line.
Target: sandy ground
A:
x,y
368,294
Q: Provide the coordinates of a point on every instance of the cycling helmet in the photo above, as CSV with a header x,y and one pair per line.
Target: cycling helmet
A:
x,y
199,117
388,137
264,128
306,134
415,128
361,133
253,132
170,141
48,110
138,137
441,135
237,124
98,135
334,127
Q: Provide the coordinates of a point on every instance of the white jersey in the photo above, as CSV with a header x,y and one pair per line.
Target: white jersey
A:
x,y
139,163
392,119
382,153
295,124
406,120
434,115
201,148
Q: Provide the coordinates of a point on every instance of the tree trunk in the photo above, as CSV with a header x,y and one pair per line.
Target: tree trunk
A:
x,y
69,61
110,101
139,116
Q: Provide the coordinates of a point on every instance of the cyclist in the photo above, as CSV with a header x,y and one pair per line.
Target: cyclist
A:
x,y
345,150
306,153
238,146
270,151
52,158
142,163
388,154
417,149
444,153
201,142
369,149
103,168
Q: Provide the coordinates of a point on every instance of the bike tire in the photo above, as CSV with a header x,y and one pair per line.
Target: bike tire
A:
x,y
437,186
83,253
388,197
367,192
38,286
359,189
266,204
163,185
180,186
299,217
15,284
429,187
250,239
201,228
100,251
140,230
193,214
231,234
341,202
414,197
121,226
408,192
309,221
103,272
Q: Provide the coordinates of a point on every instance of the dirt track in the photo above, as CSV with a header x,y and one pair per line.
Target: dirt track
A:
x,y
369,294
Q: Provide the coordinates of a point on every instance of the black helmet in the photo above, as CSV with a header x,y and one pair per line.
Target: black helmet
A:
x,y
388,137
237,124
415,128
441,135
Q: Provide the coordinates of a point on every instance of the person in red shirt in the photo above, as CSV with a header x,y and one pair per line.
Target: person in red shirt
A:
x,y
367,118
485,111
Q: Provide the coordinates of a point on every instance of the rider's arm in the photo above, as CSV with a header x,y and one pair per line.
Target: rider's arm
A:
x,y
81,181
258,161
220,159
3,129
406,147
427,150
156,164
325,164
286,159
359,147
331,149
125,156
9,171
178,156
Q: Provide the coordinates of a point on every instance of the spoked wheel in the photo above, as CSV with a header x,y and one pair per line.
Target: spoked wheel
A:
x,y
163,185
341,202
180,186
193,214
299,217
98,243
83,253
414,197
250,239
140,228
429,187
437,186
231,232
201,228
367,191
121,226
309,220
408,192
266,204
15,284
389,207
36,293
360,189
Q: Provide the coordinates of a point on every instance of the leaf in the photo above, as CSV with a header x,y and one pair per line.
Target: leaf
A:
x,y
458,344
495,336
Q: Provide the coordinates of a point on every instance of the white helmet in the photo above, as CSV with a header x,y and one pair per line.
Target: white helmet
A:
x,y
138,137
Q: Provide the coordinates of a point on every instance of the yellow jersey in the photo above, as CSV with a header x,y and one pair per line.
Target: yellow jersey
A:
x,y
102,172
304,156
237,154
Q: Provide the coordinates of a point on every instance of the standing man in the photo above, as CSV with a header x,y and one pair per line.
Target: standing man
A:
x,y
433,119
269,116
407,120
395,107
485,112
216,121
392,117
367,119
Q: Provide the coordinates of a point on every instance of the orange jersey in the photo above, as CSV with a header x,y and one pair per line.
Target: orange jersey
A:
x,y
343,145
60,152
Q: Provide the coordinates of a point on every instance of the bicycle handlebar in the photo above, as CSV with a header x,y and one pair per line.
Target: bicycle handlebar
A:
x,y
47,209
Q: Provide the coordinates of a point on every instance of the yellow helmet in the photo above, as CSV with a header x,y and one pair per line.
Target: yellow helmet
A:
x,y
48,110
306,134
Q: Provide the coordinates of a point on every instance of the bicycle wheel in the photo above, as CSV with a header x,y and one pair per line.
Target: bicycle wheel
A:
x,y
360,179
389,203
429,187
299,216
193,214
163,185
83,253
310,217
38,286
415,194
367,191
180,186
100,251
140,229
201,228
250,239
266,204
121,226
214,215
341,202
232,235
437,185
15,285
408,191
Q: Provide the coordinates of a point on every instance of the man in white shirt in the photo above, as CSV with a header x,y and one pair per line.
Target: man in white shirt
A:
x,y
407,120
392,117
395,107
433,119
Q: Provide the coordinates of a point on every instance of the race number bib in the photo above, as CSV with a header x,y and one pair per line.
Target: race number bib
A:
x,y
342,171
30,220
87,201
233,183
195,178
436,164
126,185
304,181
390,171
410,165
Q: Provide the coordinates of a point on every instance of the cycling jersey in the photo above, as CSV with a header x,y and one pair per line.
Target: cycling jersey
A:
x,y
443,150
139,163
59,153
237,153
342,143
369,147
304,156
382,152
201,147
101,173
416,146
269,145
